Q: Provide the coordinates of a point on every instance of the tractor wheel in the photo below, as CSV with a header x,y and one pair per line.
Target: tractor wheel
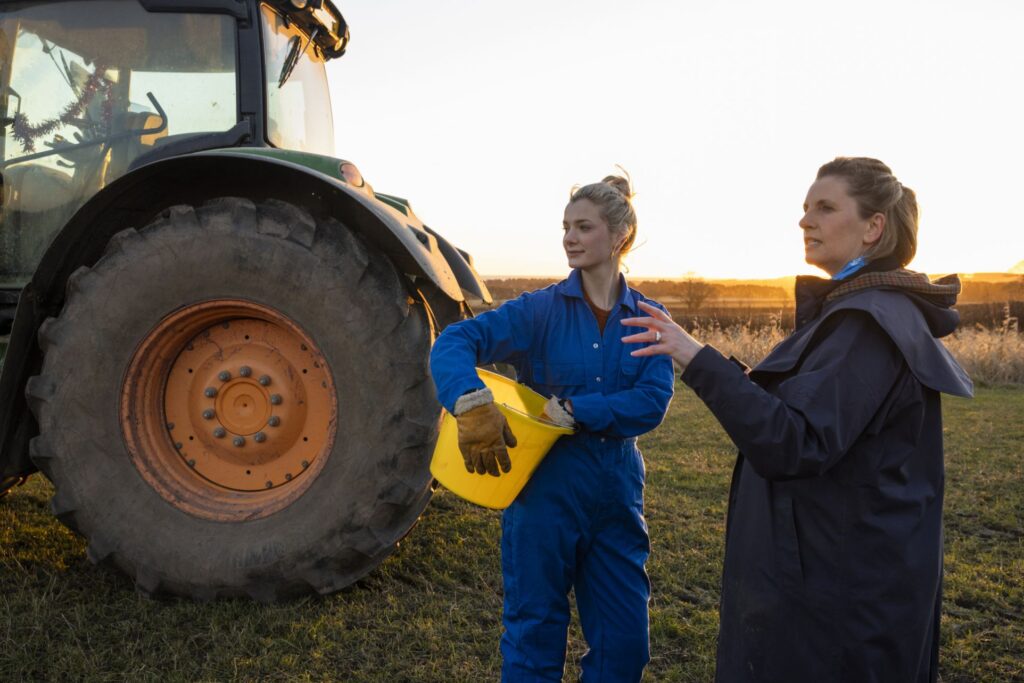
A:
x,y
234,401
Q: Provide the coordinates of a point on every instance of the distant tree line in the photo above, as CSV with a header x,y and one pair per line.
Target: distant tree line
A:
x,y
690,293
979,291
698,303
694,293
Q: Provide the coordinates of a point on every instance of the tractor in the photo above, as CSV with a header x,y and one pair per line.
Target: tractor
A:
x,y
217,333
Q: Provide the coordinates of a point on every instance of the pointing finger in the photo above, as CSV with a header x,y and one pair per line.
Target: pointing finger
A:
x,y
654,311
645,321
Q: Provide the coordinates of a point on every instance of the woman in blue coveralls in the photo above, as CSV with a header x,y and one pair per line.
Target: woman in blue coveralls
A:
x,y
578,524
833,543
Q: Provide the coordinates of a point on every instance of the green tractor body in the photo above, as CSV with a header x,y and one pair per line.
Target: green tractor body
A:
x,y
216,333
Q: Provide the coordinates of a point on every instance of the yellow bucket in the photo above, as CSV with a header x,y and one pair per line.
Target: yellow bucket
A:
x,y
522,407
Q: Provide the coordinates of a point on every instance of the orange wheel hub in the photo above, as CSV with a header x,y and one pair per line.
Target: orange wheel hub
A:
x,y
228,409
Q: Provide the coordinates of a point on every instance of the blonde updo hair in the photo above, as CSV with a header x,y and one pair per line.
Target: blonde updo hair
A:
x,y
876,190
613,199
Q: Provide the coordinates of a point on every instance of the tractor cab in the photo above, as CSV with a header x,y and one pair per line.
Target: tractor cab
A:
x,y
91,90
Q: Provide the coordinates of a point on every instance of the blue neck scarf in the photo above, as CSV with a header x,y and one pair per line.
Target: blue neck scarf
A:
x,y
851,268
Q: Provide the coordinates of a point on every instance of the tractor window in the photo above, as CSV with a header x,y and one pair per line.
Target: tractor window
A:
x,y
85,89
298,99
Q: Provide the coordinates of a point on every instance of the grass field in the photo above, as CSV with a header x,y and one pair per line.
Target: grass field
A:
x,y
432,611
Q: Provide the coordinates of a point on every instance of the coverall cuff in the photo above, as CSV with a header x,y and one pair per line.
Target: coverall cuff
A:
x,y
473,399
449,397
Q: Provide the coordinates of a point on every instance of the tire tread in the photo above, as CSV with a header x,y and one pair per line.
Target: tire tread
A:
x,y
383,312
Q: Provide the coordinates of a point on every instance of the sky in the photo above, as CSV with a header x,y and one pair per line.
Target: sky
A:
x,y
485,115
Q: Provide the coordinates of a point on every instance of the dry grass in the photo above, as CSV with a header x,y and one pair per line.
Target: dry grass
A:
x,y
431,612
992,357
746,342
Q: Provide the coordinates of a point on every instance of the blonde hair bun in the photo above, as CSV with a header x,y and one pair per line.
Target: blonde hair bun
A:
x,y
619,183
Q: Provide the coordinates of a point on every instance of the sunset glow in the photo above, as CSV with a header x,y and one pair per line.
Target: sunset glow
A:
x,y
485,115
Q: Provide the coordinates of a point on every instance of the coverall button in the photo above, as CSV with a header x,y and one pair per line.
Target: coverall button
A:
x,y
598,379
596,345
602,439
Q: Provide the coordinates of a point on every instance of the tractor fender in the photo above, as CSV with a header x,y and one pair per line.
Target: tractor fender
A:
x,y
137,198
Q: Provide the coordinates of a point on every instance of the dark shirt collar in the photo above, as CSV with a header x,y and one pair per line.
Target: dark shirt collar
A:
x,y
573,286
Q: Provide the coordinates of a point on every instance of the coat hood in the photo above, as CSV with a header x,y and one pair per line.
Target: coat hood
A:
x,y
933,299
902,302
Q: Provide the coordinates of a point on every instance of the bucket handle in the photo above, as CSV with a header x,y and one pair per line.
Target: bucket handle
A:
x,y
543,421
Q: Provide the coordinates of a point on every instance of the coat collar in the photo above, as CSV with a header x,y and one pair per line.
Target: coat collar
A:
x,y
573,286
912,323
811,292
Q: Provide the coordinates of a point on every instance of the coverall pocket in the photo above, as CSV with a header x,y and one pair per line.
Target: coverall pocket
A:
x,y
559,379
630,370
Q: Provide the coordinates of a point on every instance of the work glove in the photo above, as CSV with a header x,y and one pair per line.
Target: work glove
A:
x,y
484,434
559,411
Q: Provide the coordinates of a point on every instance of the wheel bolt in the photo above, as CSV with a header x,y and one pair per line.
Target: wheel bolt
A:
x,y
209,392
270,484
239,441
178,445
170,425
264,380
305,464
288,477
275,399
208,414
224,375
245,371
260,437
191,463
274,421
219,432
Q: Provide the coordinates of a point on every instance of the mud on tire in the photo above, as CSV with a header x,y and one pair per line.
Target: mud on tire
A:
x,y
192,537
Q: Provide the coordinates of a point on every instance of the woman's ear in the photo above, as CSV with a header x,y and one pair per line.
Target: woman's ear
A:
x,y
876,226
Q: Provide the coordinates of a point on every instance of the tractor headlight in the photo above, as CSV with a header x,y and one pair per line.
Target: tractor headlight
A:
x,y
351,174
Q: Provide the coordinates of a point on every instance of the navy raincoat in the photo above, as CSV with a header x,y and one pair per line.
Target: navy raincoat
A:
x,y
833,561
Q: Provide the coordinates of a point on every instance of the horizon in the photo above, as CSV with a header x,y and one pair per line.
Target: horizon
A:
x,y
637,278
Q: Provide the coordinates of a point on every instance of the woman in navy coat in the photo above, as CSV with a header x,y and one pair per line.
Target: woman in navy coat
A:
x,y
833,559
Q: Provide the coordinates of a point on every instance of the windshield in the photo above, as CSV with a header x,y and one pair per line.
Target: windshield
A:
x,y
298,99
88,87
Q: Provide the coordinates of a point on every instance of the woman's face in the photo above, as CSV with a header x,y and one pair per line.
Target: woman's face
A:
x,y
587,238
834,232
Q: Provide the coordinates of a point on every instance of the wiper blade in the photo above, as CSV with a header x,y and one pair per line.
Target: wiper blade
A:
x,y
294,53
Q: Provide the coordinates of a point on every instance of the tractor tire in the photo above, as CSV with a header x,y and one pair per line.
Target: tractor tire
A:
x,y
235,401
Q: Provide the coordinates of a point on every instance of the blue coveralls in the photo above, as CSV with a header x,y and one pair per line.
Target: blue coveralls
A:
x,y
579,521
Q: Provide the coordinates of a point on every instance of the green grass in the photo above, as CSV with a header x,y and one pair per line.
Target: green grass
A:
x,y
432,611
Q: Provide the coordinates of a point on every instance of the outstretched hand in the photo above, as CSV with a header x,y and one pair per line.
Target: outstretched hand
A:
x,y
665,337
